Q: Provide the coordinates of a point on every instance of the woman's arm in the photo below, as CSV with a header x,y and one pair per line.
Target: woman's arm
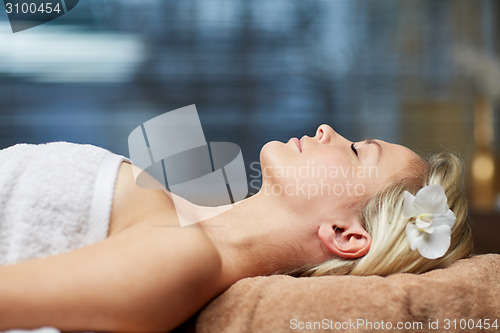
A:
x,y
143,279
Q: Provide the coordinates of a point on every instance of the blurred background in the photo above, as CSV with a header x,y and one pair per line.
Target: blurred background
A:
x,y
422,73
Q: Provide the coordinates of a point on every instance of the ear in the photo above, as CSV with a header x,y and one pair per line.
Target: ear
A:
x,y
346,240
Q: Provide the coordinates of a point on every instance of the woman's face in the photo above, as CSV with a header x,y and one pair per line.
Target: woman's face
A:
x,y
328,171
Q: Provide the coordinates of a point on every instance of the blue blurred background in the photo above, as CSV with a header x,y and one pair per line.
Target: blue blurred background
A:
x,y
423,73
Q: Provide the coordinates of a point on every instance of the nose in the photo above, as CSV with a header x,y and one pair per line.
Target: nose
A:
x,y
326,134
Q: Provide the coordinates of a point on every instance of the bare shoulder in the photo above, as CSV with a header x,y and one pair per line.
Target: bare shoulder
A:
x,y
183,269
180,266
133,204
185,247
148,278
150,214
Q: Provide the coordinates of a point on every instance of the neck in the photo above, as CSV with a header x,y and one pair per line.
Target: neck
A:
x,y
255,238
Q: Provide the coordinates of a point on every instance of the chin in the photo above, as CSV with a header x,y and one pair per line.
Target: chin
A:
x,y
272,153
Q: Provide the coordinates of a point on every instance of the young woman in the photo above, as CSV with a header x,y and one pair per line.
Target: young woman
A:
x,y
326,206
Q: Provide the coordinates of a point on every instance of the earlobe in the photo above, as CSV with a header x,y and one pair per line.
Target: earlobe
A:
x,y
349,242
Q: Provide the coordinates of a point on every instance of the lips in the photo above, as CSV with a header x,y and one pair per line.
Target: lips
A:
x,y
298,143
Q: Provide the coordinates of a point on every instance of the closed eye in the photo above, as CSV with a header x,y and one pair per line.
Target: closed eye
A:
x,y
353,147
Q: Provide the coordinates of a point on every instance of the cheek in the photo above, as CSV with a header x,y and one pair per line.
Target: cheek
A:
x,y
318,175
331,165
338,177
362,182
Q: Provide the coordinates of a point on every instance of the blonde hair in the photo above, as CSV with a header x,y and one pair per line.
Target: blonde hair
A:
x,y
383,219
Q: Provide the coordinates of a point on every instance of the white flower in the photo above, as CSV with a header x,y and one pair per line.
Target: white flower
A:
x,y
429,228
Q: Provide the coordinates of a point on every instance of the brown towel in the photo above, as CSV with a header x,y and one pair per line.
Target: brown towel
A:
x,y
443,300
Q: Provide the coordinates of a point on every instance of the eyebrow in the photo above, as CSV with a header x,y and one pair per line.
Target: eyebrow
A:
x,y
372,141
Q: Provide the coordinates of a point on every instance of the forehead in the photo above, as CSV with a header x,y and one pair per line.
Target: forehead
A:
x,y
397,149
394,157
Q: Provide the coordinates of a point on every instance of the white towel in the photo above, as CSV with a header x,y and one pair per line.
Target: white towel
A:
x,y
40,330
54,198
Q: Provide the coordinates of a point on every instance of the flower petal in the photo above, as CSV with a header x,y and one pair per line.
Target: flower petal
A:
x,y
414,235
431,199
409,209
425,226
436,244
444,219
